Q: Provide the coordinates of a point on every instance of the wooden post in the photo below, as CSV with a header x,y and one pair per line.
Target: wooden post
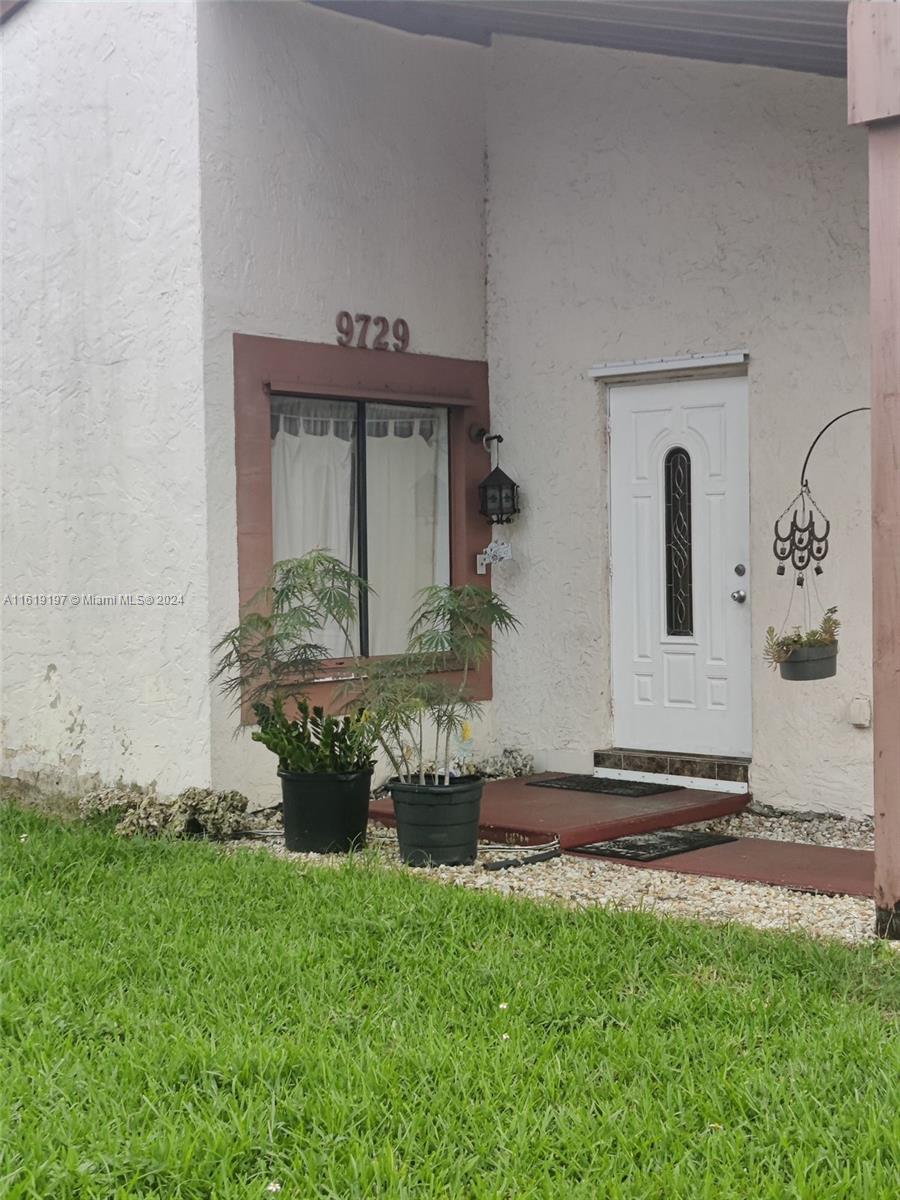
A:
x,y
873,38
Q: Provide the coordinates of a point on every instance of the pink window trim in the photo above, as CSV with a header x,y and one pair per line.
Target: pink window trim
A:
x,y
265,364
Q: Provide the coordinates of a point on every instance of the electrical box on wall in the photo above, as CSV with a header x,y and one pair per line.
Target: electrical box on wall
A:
x,y
861,712
492,554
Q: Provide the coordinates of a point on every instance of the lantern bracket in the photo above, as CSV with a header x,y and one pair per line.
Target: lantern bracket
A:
x,y
477,433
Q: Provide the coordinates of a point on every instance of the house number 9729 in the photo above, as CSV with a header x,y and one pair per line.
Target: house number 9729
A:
x,y
355,331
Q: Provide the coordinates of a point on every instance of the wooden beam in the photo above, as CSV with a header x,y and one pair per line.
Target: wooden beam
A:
x,y
874,99
8,7
884,317
873,61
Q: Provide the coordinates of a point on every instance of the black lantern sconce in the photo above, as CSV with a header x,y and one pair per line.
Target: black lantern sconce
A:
x,y
498,495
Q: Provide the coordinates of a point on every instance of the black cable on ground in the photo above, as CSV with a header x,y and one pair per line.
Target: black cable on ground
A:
x,y
505,863
542,852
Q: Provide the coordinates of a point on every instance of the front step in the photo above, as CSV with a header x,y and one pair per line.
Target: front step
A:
x,y
513,812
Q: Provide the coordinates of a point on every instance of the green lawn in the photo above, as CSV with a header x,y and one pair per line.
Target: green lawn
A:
x,y
180,1023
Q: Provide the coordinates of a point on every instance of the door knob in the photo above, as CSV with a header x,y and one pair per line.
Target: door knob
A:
x,y
739,596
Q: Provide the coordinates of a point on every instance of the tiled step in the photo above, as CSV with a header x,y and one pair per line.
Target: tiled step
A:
x,y
700,766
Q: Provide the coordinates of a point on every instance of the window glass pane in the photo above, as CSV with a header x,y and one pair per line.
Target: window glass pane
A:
x,y
679,583
313,485
408,515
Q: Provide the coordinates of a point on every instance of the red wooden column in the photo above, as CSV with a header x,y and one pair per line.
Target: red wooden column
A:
x,y
874,101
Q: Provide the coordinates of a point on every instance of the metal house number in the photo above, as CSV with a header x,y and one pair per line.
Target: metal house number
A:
x,y
362,324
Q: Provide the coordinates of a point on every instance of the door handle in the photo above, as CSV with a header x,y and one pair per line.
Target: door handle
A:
x,y
739,596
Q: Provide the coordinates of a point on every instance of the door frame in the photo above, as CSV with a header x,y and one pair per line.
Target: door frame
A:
x,y
701,367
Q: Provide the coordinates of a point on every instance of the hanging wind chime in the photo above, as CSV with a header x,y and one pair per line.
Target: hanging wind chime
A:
x,y
801,544
804,542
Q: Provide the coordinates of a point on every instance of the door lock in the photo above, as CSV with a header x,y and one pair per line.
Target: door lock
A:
x,y
739,596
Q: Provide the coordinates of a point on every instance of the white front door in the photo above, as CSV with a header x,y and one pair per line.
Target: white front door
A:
x,y
679,533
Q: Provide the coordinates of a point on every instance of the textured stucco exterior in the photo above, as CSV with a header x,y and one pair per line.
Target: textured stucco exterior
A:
x,y
342,168
644,207
102,420
174,174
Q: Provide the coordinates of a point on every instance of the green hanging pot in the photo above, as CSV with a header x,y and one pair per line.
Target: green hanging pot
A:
x,y
810,662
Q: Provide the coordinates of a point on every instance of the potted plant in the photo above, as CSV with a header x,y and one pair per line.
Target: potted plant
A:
x,y
416,705
809,655
268,662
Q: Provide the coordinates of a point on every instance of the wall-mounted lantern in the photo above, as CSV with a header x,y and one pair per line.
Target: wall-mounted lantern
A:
x,y
498,495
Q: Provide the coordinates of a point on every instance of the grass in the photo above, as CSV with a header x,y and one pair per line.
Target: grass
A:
x,y
178,1023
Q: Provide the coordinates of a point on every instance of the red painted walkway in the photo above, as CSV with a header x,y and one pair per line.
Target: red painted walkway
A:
x,y
513,812
521,815
784,864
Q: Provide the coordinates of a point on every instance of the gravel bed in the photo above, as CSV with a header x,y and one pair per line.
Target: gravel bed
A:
x,y
582,883
812,829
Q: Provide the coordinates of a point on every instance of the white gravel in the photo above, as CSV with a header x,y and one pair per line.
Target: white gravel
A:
x,y
582,882
812,829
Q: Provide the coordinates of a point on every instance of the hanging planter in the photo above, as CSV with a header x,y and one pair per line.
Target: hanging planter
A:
x,y
804,656
801,544
810,662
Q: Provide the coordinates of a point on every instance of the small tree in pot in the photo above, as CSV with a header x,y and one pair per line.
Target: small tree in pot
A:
x,y
415,707
268,662
804,656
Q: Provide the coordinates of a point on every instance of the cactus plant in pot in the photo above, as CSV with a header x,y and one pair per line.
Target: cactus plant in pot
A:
x,y
418,701
805,655
267,663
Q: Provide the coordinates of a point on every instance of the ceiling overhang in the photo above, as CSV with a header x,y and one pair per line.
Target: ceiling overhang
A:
x,y
795,35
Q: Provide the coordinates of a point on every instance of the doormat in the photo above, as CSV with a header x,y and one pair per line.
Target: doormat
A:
x,y
609,787
647,847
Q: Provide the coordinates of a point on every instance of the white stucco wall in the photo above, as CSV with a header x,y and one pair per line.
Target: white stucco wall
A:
x,y
342,167
102,420
644,207
637,207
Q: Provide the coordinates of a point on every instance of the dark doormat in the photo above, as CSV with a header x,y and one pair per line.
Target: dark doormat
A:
x,y
609,787
647,847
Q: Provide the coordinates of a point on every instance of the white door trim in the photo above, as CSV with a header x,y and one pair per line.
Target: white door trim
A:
x,y
654,366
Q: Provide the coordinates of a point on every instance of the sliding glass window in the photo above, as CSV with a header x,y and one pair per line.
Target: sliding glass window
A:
x,y
368,482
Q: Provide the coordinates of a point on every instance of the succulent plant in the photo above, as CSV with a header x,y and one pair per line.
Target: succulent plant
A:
x,y
195,812
779,647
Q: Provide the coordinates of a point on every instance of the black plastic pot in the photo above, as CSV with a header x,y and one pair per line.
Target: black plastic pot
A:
x,y
327,813
810,662
437,824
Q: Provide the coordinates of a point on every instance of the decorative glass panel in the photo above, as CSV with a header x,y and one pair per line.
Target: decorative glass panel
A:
x,y
679,587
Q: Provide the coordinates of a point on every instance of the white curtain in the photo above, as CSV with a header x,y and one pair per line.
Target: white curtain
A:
x,y
313,496
314,485
407,514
